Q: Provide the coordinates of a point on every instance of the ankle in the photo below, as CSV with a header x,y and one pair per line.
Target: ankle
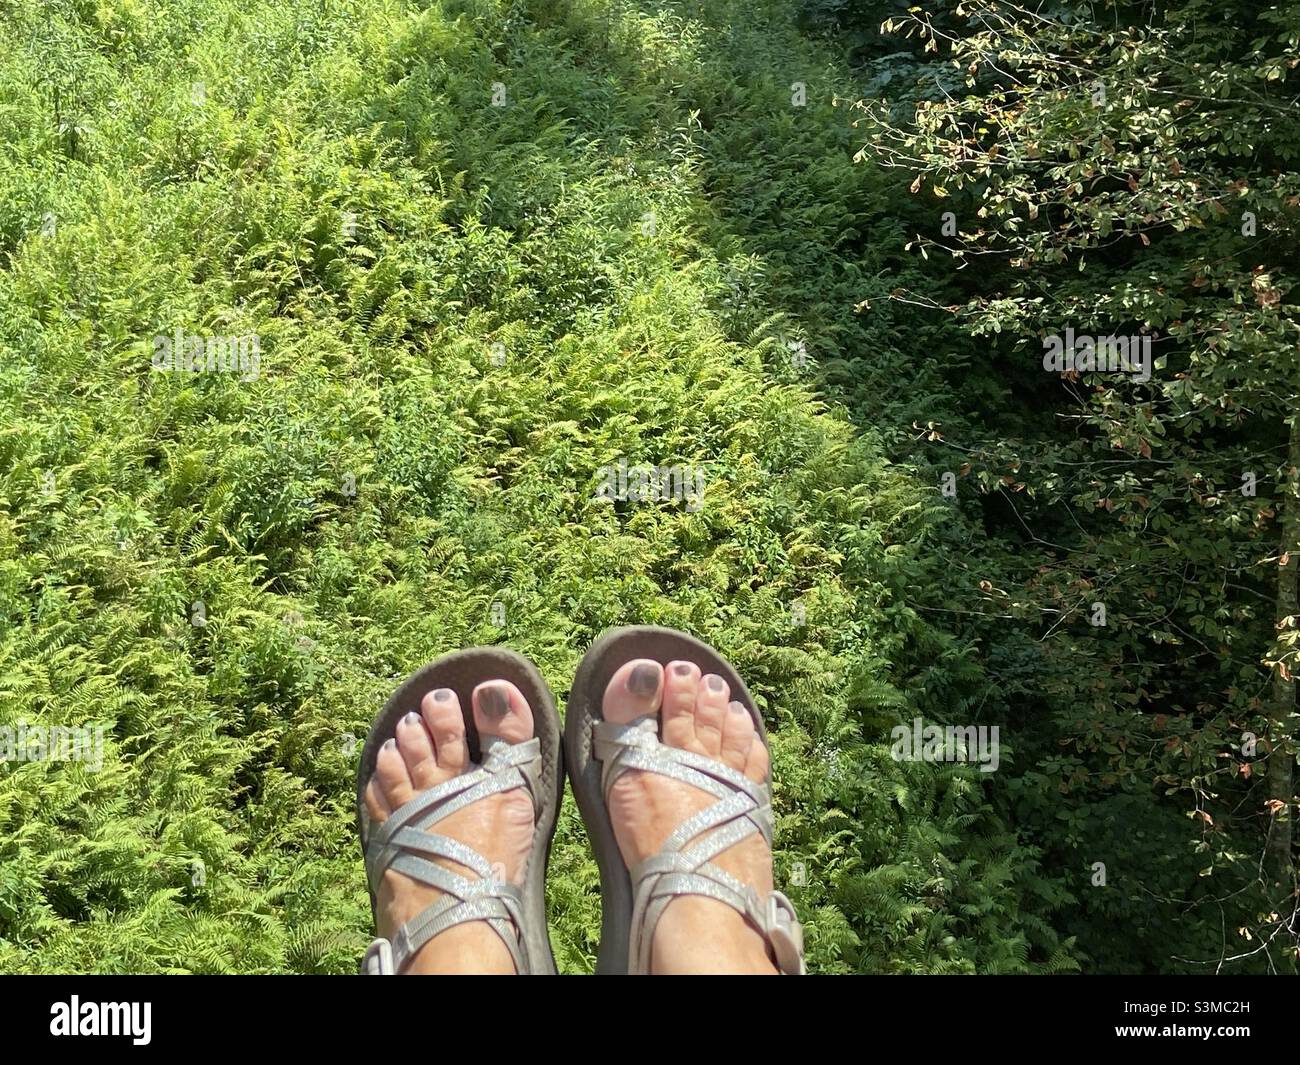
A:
x,y
464,950
698,935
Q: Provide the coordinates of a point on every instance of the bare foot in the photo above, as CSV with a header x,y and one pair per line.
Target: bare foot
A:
x,y
695,934
430,748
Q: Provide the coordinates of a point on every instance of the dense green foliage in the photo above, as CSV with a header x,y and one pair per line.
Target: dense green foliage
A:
x,y
1130,172
465,312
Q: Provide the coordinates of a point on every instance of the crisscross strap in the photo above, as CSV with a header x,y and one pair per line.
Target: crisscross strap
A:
x,y
403,843
684,865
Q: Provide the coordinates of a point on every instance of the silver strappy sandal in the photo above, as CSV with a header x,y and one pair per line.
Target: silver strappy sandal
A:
x,y
403,841
599,751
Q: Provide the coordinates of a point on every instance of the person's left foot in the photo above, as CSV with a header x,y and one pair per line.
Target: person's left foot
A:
x,y
695,712
430,748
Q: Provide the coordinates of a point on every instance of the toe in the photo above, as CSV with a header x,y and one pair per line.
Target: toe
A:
x,y
710,713
376,805
446,724
737,736
633,691
501,710
759,760
394,780
681,685
416,745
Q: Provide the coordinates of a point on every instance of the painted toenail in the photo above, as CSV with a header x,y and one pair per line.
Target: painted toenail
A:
x,y
738,708
494,703
442,695
390,745
715,683
644,680
682,669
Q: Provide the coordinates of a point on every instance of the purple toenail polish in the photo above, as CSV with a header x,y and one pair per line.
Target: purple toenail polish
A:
x,y
643,681
442,695
682,669
715,683
493,702
738,708
412,718
390,745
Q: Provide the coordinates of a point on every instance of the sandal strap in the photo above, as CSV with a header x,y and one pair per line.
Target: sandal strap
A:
x,y
684,864
500,905
636,745
402,842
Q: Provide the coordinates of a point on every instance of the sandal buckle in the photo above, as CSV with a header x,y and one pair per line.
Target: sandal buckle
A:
x,y
784,934
378,959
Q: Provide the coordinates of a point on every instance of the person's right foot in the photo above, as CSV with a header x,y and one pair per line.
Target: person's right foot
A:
x,y
695,934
